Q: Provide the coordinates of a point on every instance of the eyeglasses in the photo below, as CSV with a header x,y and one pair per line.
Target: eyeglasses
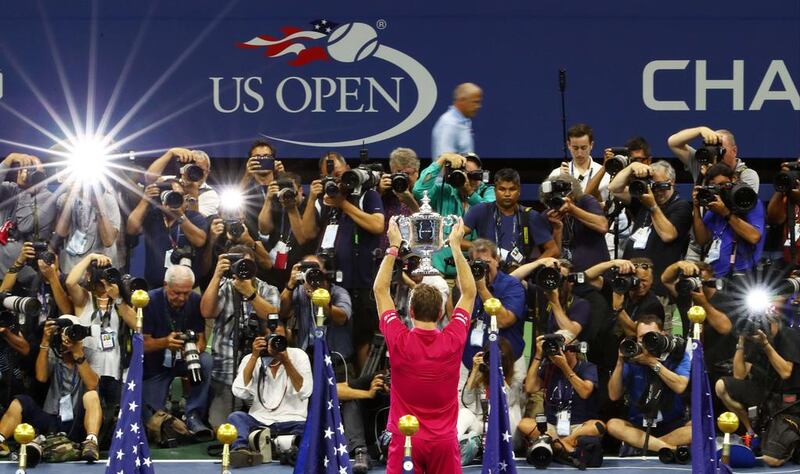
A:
x,y
643,266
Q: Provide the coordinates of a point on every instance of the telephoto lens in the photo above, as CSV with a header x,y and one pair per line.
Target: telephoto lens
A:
x,y
547,278
638,187
615,164
192,357
455,177
630,347
192,172
277,343
172,199
21,304
76,332
399,182
540,454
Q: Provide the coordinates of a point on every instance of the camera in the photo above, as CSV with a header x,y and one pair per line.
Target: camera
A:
x,y
687,284
479,269
638,187
630,347
623,283
43,253
749,327
241,268
8,319
275,342
21,304
330,186
126,283
708,154
400,182
554,193
552,344
786,181
192,356
789,286
192,172
738,197
359,180
455,177
286,190
619,161
234,227
663,345
311,273
547,278
182,256
265,163
169,198
576,278
75,332
540,453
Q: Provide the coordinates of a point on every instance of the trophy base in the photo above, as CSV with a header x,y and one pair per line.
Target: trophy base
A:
x,y
425,271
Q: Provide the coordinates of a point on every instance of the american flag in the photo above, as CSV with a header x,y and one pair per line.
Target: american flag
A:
x,y
289,43
324,447
129,453
498,455
704,446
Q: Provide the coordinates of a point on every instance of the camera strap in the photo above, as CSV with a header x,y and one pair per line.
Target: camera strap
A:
x,y
61,370
174,242
581,177
171,313
261,380
35,218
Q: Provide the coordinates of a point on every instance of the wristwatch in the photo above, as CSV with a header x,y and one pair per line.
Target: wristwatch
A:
x,y
180,219
657,367
80,360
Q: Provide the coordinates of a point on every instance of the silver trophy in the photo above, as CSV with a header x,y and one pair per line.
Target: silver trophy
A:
x,y
424,232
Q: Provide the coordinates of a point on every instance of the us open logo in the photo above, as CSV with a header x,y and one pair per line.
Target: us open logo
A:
x,y
349,43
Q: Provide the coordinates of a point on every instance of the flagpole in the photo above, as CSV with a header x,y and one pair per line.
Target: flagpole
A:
x,y
408,425
728,423
321,298
139,299
697,315
23,434
226,434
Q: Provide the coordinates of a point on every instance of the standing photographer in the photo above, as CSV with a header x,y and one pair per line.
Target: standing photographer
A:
x,y
28,211
173,330
766,374
653,386
72,405
232,296
351,225
722,147
736,236
278,380
570,400
98,305
194,167
169,228
396,188
661,219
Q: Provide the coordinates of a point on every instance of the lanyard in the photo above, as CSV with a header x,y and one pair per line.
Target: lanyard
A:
x,y
61,379
35,218
498,227
105,317
580,178
174,242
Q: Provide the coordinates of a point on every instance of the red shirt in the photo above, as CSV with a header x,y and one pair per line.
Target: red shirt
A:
x,y
425,368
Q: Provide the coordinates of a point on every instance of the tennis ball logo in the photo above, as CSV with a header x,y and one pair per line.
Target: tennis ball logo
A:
x,y
352,42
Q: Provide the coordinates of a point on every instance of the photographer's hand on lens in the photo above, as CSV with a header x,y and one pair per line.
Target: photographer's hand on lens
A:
x,y
556,219
568,206
49,329
718,207
153,193
259,346
553,297
648,199
223,265
216,229
273,189
335,202
564,168
539,347
644,359
760,338
477,360
560,361
385,184
112,290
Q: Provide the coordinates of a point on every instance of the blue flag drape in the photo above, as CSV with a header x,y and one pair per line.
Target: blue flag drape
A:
x,y
704,445
129,453
324,447
498,455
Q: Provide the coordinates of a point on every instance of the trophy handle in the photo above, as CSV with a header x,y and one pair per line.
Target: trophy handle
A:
x,y
404,224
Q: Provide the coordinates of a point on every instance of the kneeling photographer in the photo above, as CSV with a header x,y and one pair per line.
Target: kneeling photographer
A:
x,y
236,300
276,379
174,346
766,378
652,373
570,400
72,405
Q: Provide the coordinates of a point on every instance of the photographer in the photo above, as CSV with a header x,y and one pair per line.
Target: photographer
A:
x,y
280,224
520,233
766,374
642,376
172,325
228,288
570,400
580,141
351,225
396,188
89,222
579,223
425,368
163,217
194,167
28,212
637,150
98,305
661,219
719,146
627,289
278,383
72,405
728,232
473,411
510,319
447,199
36,274
786,192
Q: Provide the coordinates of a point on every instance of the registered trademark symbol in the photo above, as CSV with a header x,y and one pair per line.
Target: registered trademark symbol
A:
x,y
380,24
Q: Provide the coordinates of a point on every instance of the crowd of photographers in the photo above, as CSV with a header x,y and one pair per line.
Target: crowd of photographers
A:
x,y
596,281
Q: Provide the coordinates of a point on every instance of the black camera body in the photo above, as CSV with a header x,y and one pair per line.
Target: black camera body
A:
x,y
182,256
266,163
709,154
8,319
738,197
623,283
75,332
275,342
169,198
552,344
331,187
400,182
786,181
663,346
241,268
554,193
479,269
126,283
356,182
42,252
286,191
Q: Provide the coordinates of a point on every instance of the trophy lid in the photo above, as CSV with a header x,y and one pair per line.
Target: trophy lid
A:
x,y
425,208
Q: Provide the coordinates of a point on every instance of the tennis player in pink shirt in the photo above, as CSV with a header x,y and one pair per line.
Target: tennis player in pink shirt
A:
x,y
425,362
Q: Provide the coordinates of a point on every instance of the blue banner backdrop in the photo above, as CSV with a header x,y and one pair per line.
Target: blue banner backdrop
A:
x,y
161,74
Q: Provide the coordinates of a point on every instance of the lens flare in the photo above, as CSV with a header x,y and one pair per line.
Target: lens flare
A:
x,y
758,300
